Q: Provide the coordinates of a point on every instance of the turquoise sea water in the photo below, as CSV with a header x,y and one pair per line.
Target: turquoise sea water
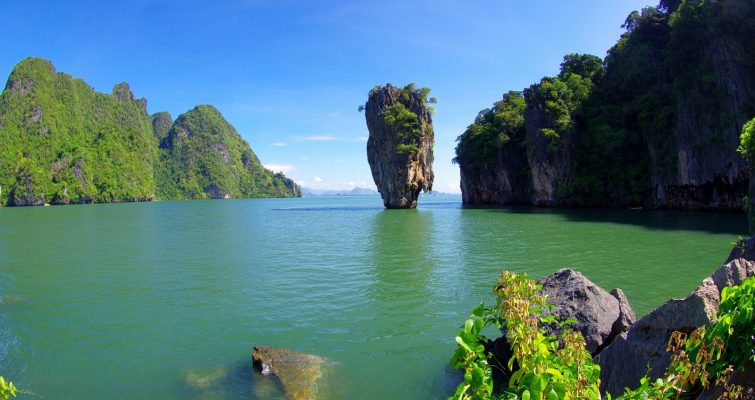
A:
x,y
165,300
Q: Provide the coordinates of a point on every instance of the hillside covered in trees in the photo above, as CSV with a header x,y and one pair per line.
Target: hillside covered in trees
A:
x,y
656,123
63,143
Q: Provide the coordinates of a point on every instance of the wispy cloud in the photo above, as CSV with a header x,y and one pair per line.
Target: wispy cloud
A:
x,y
285,168
318,179
279,144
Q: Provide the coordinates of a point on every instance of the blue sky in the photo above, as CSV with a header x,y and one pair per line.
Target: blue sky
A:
x,y
289,75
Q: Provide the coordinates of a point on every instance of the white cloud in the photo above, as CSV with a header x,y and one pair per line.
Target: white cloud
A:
x,y
318,179
305,158
285,168
278,144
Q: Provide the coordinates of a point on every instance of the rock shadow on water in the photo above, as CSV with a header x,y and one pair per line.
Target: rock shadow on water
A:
x,y
668,220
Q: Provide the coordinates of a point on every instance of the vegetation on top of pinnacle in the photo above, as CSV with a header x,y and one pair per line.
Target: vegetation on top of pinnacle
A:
x,y
62,143
203,156
403,117
664,108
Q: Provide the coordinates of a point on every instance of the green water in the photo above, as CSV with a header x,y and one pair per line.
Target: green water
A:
x,y
165,300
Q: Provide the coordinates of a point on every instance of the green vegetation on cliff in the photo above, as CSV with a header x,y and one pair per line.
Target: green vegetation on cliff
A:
x,y
400,118
204,157
62,143
655,123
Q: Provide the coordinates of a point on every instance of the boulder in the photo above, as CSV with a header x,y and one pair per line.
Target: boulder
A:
x,y
642,349
300,374
400,143
600,315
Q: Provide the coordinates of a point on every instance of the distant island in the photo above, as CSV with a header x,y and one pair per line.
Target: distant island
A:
x,y
63,143
357,191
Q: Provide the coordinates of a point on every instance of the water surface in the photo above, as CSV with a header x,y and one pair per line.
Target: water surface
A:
x,y
165,300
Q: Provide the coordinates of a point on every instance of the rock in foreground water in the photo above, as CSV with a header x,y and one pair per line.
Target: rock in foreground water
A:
x,y
400,144
300,374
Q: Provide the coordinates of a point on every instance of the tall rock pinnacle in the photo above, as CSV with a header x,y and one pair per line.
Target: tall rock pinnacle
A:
x,y
400,145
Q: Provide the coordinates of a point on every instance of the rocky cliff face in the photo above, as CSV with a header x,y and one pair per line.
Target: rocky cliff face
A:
x,y
399,147
658,128
549,159
492,155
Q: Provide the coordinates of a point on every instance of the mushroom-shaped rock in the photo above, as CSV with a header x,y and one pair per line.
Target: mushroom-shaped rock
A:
x,y
300,374
400,143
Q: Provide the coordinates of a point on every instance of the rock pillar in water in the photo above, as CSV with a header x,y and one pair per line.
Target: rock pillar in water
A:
x,y
400,144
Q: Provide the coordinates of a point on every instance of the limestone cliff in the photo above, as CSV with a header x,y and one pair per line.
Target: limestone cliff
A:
x,y
656,124
400,143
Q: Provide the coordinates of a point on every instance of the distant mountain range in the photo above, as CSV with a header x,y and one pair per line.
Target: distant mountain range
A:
x,y
357,191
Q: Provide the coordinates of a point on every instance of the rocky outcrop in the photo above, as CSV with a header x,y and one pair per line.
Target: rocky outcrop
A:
x,y
300,374
660,127
400,143
600,315
642,349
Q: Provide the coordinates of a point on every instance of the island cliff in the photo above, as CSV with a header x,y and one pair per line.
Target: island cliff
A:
x,y
400,143
655,124
61,142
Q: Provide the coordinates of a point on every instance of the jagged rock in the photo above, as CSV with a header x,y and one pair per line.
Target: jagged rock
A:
x,y
600,315
299,373
122,92
643,347
399,150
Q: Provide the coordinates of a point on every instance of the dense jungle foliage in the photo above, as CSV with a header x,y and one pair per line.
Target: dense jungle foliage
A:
x,y
677,75
61,143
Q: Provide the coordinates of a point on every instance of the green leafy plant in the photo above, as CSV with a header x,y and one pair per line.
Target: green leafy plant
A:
x,y
709,355
544,370
540,368
7,390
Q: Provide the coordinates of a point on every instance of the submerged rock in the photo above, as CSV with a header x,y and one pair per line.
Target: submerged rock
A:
x,y
400,143
642,349
300,374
